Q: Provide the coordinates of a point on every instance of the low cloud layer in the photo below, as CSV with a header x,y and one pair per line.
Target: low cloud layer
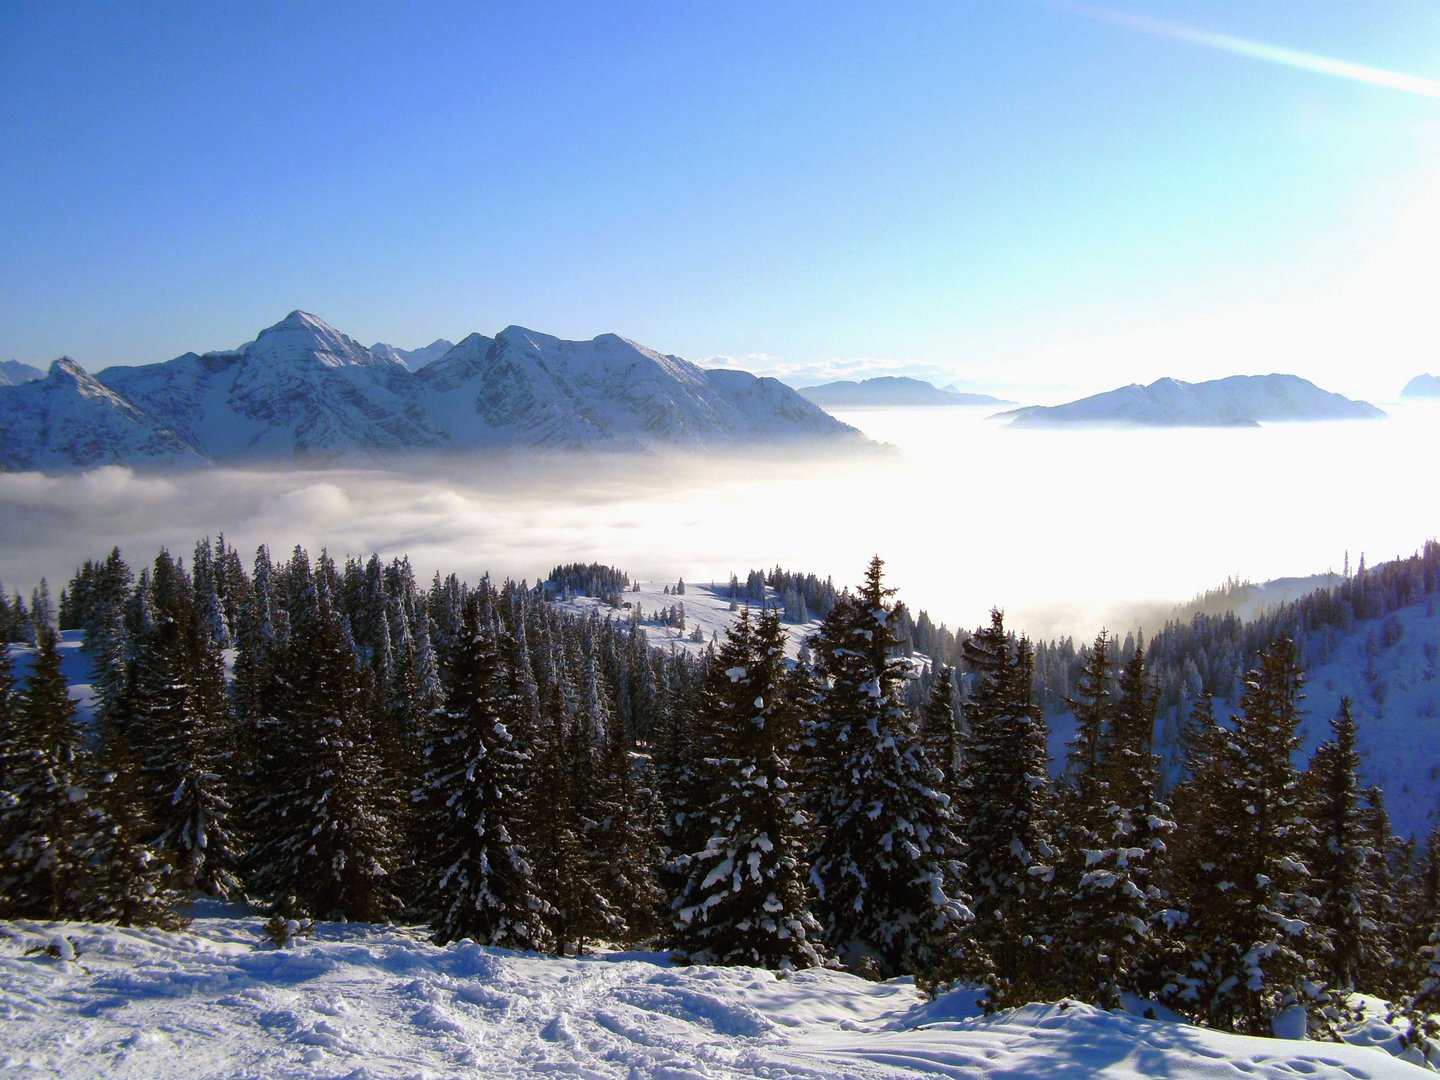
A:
x,y
1067,530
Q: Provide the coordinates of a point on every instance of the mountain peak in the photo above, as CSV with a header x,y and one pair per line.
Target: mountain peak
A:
x,y
302,337
1422,386
303,320
69,367
1234,401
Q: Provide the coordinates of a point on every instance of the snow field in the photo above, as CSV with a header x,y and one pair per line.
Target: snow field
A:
x,y
368,1002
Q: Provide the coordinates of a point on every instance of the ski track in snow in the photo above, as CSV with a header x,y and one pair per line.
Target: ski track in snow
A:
x,y
368,1002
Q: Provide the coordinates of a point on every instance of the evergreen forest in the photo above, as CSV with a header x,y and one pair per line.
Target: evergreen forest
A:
x,y
339,741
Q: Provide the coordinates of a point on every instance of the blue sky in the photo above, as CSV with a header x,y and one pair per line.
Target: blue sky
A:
x,y
1003,194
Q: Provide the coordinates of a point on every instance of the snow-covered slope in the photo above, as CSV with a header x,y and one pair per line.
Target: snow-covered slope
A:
x,y
890,390
69,418
1237,401
414,359
303,390
1422,386
1389,668
707,607
370,1002
13,373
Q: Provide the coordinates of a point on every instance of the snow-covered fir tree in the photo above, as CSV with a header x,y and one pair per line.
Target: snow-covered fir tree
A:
x,y
1243,887
48,817
132,882
939,728
330,842
1340,859
175,717
886,865
480,879
745,897
1005,821
1110,833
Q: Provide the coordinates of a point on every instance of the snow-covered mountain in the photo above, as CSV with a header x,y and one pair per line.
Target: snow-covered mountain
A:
x,y
303,390
890,390
1237,401
13,373
414,359
531,389
1422,386
70,419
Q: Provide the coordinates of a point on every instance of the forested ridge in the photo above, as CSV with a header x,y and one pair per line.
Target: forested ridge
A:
x,y
471,756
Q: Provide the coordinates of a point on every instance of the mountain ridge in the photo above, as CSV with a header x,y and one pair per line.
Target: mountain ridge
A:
x,y
1234,401
305,391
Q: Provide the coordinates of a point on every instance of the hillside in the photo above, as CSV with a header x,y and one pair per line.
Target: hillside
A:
x,y
890,390
1373,637
1237,401
303,391
377,1002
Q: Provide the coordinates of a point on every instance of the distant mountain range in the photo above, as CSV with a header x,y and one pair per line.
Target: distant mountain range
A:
x,y
891,390
1422,386
304,391
13,373
1237,401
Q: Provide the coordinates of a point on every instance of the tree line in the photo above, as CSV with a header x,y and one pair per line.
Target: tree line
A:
x,y
339,742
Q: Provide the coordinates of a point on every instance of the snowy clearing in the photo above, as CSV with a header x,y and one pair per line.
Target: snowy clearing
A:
x,y
364,1002
706,605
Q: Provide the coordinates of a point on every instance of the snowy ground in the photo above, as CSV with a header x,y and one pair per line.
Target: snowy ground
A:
x,y
707,605
74,665
363,1002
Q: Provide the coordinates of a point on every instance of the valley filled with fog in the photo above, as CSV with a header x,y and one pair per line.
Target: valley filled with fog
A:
x,y
1065,529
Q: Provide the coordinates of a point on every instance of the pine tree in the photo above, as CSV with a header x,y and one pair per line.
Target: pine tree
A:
x,y
623,850
132,881
1112,837
12,762
886,865
1248,923
1086,825
551,823
323,813
480,878
107,639
47,820
939,729
745,898
1004,802
1387,868
175,713
1341,859
687,779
